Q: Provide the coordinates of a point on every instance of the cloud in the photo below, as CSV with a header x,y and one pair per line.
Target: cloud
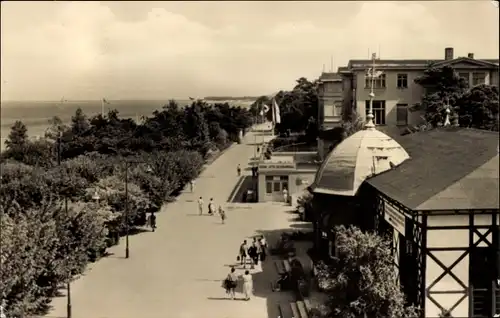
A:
x,y
87,50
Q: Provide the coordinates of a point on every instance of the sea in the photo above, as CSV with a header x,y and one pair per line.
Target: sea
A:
x,y
36,114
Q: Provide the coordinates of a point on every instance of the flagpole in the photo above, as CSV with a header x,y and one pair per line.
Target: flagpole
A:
x,y
102,107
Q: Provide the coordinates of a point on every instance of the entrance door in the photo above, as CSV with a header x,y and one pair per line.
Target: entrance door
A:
x,y
279,183
481,269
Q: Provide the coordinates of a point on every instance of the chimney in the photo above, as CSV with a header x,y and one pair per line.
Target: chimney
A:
x,y
470,55
448,53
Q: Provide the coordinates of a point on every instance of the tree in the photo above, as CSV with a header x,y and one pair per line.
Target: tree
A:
x,y
478,108
18,135
112,191
443,87
298,108
79,122
351,124
38,152
362,282
26,241
196,127
56,128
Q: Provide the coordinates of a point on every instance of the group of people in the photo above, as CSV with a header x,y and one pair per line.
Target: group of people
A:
x,y
212,209
255,252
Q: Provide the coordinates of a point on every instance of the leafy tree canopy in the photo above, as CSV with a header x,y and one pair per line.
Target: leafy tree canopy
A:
x,y
476,107
298,108
362,280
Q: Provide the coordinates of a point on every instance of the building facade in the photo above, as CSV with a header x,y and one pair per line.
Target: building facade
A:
x,y
330,110
395,90
292,171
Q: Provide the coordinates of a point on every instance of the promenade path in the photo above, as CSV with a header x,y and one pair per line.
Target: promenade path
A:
x,y
176,272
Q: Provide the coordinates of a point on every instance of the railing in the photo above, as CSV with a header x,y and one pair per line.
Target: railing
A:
x,y
303,146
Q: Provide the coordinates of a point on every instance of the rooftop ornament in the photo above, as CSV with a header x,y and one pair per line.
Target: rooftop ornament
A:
x,y
372,73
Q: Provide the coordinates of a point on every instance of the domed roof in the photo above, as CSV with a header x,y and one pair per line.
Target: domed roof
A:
x,y
364,154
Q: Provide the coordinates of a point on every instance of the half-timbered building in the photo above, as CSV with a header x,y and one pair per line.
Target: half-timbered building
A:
x,y
440,207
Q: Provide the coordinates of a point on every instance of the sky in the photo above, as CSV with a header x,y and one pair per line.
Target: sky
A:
x,y
158,50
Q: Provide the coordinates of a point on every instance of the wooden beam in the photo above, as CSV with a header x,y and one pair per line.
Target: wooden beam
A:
x,y
458,227
447,249
439,292
447,270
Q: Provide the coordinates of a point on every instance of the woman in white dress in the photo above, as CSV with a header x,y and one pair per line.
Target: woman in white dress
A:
x,y
247,284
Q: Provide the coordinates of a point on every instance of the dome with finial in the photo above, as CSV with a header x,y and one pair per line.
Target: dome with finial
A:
x,y
362,155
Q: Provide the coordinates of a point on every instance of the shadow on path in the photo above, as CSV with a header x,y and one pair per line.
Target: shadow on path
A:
x,y
238,193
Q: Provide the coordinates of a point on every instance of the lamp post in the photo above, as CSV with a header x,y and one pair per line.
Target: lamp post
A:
x,y
68,282
127,228
373,74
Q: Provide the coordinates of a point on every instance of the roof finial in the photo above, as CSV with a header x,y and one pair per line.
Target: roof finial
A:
x,y
371,74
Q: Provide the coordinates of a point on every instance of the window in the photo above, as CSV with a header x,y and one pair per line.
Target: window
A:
x,y
269,178
478,78
329,110
269,187
378,82
378,111
402,114
284,178
332,247
277,186
465,76
402,80
337,109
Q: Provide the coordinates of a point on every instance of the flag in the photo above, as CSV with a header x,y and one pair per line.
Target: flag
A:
x,y
276,112
191,98
105,101
369,73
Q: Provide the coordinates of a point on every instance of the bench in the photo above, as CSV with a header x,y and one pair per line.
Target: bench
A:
x,y
302,309
295,310
284,311
307,304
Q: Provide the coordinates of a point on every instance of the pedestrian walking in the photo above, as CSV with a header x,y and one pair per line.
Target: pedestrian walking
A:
x,y
222,214
238,170
152,221
242,254
247,285
211,206
254,253
191,183
263,247
285,195
231,282
200,205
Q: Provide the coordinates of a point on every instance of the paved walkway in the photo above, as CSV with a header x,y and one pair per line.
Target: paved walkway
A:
x,y
177,271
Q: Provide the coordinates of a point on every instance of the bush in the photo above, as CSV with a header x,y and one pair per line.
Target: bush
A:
x,y
44,245
112,192
362,280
